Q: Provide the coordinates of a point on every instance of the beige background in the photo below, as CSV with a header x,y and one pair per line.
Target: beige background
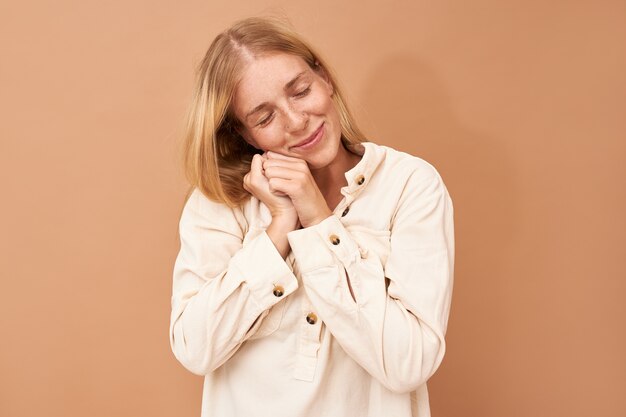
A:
x,y
520,105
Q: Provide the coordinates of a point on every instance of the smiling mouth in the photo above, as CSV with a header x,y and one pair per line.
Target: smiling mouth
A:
x,y
311,138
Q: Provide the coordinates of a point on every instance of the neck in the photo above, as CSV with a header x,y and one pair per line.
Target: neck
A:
x,y
331,178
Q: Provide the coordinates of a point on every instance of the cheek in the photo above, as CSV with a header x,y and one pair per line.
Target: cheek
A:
x,y
326,103
320,104
269,138
331,110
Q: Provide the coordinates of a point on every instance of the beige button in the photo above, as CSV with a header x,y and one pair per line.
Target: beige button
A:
x,y
345,212
278,291
360,179
334,239
311,318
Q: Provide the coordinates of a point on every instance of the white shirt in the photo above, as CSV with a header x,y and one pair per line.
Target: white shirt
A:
x,y
276,337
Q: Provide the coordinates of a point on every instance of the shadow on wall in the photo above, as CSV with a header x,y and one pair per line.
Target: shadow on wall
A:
x,y
415,114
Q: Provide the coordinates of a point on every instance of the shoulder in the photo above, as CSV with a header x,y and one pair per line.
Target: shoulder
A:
x,y
419,190
201,212
201,205
404,166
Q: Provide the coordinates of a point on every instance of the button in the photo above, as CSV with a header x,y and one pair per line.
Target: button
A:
x,y
360,179
334,239
311,318
278,291
345,212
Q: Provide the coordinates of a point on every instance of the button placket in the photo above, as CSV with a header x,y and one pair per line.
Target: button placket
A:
x,y
310,329
342,209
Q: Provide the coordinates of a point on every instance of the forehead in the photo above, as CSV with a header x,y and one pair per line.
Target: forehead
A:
x,y
264,78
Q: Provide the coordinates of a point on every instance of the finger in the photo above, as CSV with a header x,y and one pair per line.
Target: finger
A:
x,y
298,165
283,172
246,178
279,193
256,166
280,186
276,155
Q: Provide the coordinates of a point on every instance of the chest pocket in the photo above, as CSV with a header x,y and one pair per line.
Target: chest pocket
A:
x,y
372,242
271,319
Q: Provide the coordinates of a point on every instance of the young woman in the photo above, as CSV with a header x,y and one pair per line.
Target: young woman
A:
x,y
315,271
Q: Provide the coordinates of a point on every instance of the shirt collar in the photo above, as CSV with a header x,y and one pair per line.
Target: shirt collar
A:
x,y
359,176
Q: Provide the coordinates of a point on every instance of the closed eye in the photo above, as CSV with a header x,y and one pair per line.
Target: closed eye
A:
x,y
266,120
303,92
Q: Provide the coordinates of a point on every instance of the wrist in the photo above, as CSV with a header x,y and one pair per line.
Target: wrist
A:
x,y
317,220
278,229
284,223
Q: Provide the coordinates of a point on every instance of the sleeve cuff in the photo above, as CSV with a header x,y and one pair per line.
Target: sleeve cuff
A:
x,y
320,245
265,272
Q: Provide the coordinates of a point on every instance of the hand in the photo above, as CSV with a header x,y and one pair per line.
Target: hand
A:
x,y
279,204
292,177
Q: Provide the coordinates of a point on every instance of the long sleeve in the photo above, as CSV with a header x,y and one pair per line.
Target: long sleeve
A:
x,y
222,289
394,327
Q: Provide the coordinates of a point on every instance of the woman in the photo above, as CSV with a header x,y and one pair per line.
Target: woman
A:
x,y
315,271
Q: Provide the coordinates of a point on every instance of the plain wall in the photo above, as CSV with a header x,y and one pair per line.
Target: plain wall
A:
x,y
519,105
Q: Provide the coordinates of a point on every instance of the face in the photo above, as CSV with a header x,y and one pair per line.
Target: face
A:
x,y
285,106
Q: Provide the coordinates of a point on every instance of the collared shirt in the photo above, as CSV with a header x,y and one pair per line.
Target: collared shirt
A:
x,y
285,337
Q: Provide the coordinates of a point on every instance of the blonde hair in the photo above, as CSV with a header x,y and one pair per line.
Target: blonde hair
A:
x,y
215,156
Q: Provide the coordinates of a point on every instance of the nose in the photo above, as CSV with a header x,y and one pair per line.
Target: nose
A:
x,y
295,119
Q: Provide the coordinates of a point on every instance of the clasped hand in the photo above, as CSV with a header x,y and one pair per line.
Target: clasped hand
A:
x,y
287,187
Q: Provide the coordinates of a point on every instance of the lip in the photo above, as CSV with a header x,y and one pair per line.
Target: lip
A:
x,y
311,140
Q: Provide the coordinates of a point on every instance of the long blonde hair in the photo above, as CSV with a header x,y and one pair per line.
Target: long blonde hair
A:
x,y
215,156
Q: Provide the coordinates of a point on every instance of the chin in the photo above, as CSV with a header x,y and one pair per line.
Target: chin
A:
x,y
315,165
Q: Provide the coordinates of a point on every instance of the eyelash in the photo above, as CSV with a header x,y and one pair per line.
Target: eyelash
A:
x,y
265,121
303,92
268,119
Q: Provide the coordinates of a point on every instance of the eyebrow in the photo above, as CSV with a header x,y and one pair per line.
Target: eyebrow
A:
x,y
287,87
